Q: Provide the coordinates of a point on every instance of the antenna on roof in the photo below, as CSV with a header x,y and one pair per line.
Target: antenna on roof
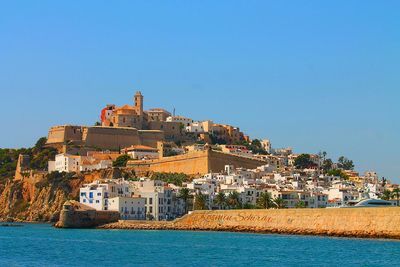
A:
x,y
173,114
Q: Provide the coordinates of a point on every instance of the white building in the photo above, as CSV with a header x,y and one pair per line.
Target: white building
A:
x,y
97,194
140,152
266,144
130,208
185,121
67,163
161,202
195,127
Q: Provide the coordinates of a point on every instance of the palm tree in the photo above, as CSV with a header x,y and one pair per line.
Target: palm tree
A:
x,y
234,200
184,194
386,195
396,195
264,201
220,200
200,202
279,203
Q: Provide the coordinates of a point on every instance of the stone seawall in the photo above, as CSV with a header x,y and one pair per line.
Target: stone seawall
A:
x,y
76,215
350,222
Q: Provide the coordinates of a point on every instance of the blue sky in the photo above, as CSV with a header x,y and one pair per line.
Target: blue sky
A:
x,y
313,75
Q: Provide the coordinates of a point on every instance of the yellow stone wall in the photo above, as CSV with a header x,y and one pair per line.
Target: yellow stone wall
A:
x,y
193,163
362,222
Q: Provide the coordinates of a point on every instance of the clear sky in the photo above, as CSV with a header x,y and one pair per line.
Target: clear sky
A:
x,y
312,75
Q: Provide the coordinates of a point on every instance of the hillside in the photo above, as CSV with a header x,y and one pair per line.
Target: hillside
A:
x,y
40,198
39,155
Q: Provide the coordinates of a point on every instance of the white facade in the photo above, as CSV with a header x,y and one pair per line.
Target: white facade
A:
x,y
67,163
130,208
195,127
143,154
183,120
98,165
97,194
161,202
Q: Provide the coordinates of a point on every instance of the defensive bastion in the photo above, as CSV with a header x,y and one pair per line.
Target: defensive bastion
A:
x,y
346,222
194,163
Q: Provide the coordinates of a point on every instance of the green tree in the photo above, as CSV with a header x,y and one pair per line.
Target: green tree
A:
x,y
264,201
200,202
396,195
303,161
256,147
338,173
327,165
121,161
345,164
184,194
386,195
40,143
233,200
171,178
220,200
279,203
300,205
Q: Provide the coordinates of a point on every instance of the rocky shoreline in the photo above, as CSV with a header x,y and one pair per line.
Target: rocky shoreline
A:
x,y
171,226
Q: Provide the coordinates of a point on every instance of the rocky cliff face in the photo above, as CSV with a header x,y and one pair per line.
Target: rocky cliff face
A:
x,y
41,197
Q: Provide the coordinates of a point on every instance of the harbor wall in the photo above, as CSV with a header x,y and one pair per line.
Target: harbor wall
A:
x,y
348,222
76,215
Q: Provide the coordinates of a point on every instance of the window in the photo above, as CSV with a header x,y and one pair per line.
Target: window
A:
x,y
150,201
97,201
91,195
83,194
99,194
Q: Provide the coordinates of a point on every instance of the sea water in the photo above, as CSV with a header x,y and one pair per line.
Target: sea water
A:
x,y
43,245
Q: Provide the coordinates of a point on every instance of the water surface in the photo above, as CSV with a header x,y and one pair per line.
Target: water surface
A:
x,y
42,245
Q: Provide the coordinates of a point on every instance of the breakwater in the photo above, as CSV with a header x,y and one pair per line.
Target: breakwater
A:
x,y
350,222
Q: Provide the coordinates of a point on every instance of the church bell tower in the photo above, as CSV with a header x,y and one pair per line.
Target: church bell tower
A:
x,y
138,99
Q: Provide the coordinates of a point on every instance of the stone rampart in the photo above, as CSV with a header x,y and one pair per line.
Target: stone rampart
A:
x,y
194,163
350,222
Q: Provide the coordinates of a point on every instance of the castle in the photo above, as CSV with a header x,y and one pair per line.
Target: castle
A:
x,y
129,125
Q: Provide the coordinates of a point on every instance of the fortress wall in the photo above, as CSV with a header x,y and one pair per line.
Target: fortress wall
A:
x,y
56,135
193,163
60,134
150,138
172,130
359,222
111,138
218,160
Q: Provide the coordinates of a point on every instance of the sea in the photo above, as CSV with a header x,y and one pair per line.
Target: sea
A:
x,y
43,245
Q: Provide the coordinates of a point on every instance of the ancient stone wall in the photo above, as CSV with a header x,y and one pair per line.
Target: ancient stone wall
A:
x,y
217,161
73,215
349,222
362,222
193,163
151,137
111,138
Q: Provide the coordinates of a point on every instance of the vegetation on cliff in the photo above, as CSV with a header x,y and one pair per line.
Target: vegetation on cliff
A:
x,y
39,155
171,178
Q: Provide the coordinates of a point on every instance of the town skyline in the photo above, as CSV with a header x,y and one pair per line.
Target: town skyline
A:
x,y
335,92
